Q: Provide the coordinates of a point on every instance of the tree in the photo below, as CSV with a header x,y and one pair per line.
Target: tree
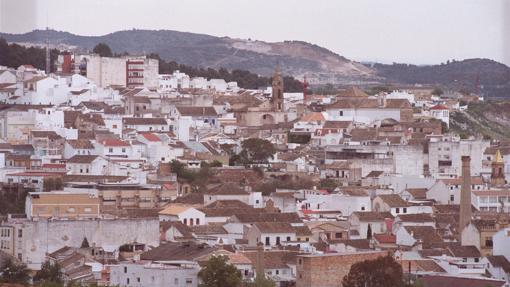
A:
x,y
49,273
15,273
217,272
380,272
437,92
369,231
257,150
103,50
85,243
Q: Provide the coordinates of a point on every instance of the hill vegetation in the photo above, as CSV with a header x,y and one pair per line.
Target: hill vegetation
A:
x,y
488,119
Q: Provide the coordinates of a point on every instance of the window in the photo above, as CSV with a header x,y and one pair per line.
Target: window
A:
x,y
176,281
341,113
288,238
127,281
125,269
277,240
267,241
189,281
110,150
488,241
477,259
114,126
123,149
87,170
20,233
277,271
397,210
338,235
191,221
185,221
405,209
452,198
138,279
197,221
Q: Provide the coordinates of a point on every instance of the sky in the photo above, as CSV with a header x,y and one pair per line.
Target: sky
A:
x,y
404,31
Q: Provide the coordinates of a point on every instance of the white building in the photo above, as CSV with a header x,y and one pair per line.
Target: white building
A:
x,y
154,274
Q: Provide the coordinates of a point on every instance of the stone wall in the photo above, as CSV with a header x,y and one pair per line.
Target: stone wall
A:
x,y
328,270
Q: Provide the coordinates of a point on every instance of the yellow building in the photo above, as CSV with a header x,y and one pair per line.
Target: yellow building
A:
x,y
62,204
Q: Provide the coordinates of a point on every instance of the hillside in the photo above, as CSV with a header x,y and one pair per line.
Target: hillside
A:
x,y
473,75
490,119
295,57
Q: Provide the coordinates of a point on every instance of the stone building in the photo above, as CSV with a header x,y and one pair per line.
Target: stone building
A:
x,y
326,270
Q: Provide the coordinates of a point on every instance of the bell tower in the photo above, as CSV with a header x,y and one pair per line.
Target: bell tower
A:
x,y
277,96
498,166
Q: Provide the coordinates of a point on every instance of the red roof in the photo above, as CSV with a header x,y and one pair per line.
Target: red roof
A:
x,y
439,107
151,137
385,238
114,142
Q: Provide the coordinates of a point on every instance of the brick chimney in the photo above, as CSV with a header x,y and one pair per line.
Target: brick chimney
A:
x,y
465,194
259,266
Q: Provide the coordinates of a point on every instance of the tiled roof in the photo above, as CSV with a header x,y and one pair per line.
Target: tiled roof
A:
x,y
178,251
144,121
393,200
451,281
372,215
274,227
81,144
500,261
82,159
197,111
113,142
151,137
464,251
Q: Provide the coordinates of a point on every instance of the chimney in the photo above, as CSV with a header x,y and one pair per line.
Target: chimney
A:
x,y
465,194
259,267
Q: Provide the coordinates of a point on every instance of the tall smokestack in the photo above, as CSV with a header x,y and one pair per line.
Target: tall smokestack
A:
x,y
465,194
259,267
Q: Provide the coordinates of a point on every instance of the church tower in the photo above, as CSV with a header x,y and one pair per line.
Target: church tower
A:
x,y
277,96
498,166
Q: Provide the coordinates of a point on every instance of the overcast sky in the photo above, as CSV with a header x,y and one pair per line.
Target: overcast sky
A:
x,y
411,31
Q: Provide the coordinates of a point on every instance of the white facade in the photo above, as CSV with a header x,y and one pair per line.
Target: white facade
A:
x,y
153,274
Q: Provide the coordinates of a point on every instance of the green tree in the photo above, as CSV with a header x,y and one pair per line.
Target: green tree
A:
x,y
15,273
369,231
49,273
103,50
257,150
217,272
380,272
328,184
